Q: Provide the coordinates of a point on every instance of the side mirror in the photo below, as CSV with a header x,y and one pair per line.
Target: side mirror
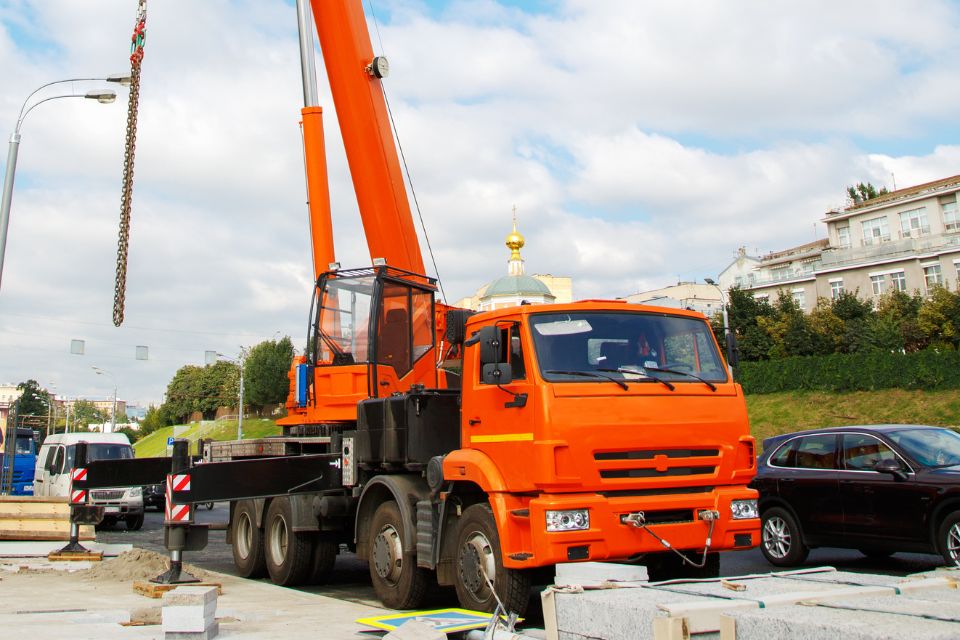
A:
x,y
497,373
891,466
489,339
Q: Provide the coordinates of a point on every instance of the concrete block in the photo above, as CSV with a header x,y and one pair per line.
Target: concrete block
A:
x,y
415,630
208,634
593,574
189,609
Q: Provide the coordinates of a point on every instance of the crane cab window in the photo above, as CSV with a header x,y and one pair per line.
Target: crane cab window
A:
x,y
404,327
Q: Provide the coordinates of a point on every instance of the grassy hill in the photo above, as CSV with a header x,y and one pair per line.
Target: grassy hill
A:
x,y
770,414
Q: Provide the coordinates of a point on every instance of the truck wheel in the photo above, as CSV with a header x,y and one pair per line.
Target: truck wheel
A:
x,y
781,540
288,553
247,541
135,523
479,560
398,581
325,550
949,539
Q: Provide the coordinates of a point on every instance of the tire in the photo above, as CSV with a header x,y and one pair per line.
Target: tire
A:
x,y
398,581
247,541
669,566
781,540
288,554
135,523
948,539
477,556
325,550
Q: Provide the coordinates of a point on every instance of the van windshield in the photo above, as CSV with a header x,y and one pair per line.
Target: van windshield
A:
x,y
101,451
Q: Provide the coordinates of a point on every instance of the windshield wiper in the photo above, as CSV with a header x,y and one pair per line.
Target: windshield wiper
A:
x,y
589,374
712,386
643,374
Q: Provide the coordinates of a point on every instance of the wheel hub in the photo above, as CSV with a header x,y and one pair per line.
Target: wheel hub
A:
x,y
244,535
776,537
953,543
278,540
477,560
388,554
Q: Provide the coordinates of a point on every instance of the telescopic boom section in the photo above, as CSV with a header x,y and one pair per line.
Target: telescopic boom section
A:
x,y
362,114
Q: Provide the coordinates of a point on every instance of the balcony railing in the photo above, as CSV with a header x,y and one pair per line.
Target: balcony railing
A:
x,y
914,233
908,246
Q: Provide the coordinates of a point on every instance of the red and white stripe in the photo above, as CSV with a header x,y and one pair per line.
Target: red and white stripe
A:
x,y
177,512
78,496
78,475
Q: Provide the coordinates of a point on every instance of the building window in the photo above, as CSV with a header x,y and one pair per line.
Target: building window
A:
x,y
799,298
933,276
879,284
843,236
875,230
836,289
914,223
899,281
781,273
951,217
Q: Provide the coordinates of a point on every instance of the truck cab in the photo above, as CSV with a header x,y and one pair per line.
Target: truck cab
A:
x,y
17,461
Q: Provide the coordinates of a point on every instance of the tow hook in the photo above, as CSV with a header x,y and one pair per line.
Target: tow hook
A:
x,y
709,515
635,519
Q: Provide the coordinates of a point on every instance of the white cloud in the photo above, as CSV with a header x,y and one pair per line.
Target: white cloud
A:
x,y
641,143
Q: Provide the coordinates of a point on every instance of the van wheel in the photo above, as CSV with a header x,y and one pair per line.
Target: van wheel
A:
x,y
398,581
135,523
247,541
479,564
288,553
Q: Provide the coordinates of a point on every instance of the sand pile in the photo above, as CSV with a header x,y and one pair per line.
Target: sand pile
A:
x,y
136,564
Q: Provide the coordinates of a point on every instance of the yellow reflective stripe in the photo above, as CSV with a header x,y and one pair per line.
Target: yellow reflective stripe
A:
x,y
503,437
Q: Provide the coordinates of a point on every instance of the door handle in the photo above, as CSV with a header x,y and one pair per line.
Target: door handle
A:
x,y
473,421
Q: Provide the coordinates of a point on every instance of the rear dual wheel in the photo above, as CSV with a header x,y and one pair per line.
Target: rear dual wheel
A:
x,y
247,541
288,554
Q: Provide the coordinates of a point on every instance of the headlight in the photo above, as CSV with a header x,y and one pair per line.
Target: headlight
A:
x,y
744,509
135,492
570,520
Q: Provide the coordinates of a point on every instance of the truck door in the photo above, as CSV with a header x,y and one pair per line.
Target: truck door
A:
x,y
58,483
498,419
41,475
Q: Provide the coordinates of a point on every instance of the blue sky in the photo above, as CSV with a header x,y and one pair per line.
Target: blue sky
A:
x,y
640,143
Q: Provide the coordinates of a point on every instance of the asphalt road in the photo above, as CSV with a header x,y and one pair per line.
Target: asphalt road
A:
x,y
351,581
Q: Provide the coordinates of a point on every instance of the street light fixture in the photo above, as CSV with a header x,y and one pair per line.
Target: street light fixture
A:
x,y
727,334
239,364
103,96
113,414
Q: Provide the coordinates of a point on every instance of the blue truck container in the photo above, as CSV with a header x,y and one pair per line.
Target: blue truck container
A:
x,y
22,454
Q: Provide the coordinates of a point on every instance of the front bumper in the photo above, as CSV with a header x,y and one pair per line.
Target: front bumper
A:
x,y
673,517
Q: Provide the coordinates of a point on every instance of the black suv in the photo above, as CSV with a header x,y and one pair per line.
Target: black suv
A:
x,y
877,488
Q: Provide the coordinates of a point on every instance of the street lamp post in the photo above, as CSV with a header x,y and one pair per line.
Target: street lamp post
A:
x,y
113,414
727,334
239,364
101,96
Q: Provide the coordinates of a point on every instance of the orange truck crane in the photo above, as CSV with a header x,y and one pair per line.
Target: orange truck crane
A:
x,y
452,448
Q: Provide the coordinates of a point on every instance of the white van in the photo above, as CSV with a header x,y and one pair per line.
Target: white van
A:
x,y
55,460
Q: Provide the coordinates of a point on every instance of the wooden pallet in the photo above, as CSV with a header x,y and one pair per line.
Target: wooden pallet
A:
x,y
30,518
89,556
154,590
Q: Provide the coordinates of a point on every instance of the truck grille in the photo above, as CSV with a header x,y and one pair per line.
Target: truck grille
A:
x,y
108,494
656,463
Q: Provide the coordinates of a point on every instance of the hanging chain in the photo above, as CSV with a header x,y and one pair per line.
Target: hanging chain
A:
x,y
136,57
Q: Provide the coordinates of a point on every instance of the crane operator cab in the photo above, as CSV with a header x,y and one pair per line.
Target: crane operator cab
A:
x,y
372,334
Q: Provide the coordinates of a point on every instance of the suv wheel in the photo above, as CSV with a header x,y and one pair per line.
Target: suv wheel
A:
x,y
781,539
949,539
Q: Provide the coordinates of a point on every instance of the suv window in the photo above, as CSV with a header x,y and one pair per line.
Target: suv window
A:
x,y
817,452
785,455
861,452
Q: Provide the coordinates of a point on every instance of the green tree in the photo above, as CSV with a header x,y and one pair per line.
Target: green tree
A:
x,y
34,401
155,418
85,413
856,315
895,324
265,372
862,192
182,393
939,318
753,342
827,328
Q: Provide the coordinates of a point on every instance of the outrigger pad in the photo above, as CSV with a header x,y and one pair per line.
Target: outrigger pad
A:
x,y
86,514
174,575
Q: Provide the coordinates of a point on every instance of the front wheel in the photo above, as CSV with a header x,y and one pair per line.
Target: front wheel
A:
x,y
781,539
479,564
398,581
135,523
949,539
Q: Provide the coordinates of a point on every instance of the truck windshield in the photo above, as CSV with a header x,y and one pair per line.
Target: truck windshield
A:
x,y
345,320
625,345
24,446
101,451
